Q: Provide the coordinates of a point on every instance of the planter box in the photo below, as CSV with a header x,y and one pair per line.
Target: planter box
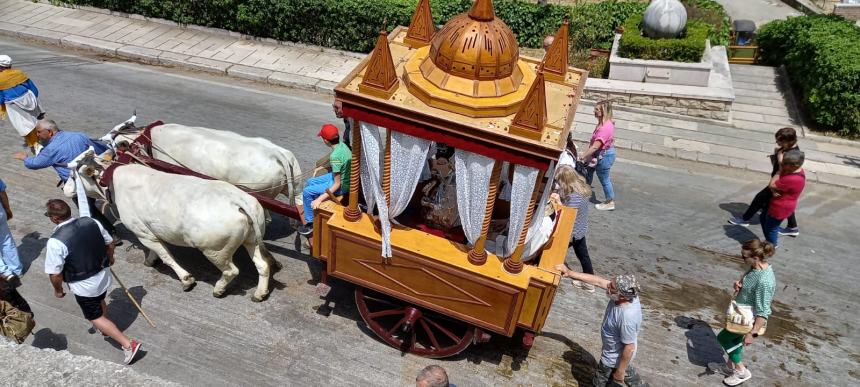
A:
x,y
659,71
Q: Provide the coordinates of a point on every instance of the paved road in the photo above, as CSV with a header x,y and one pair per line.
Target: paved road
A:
x,y
670,229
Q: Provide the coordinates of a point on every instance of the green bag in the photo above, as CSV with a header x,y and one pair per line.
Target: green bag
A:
x,y
16,322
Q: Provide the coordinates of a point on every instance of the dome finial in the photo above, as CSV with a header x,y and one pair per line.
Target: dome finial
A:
x,y
482,10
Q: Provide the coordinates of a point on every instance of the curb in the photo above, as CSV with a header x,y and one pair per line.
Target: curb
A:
x,y
168,59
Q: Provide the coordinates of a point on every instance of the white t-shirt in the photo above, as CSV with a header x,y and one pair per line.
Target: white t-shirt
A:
x,y
55,258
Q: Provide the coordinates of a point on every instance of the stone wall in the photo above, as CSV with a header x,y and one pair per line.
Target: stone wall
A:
x,y
695,107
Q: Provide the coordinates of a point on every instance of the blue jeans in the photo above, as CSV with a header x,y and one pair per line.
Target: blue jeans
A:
x,y
314,188
602,169
770,227
10,262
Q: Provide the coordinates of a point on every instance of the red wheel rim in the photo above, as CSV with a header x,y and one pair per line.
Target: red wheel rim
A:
x,y
411,329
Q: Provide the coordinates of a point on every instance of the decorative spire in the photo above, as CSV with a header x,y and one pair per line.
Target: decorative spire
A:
x,y
530,120
421,29
482,10
380,79
555,60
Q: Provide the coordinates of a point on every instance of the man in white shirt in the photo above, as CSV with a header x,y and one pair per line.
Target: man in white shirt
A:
x,y
80,253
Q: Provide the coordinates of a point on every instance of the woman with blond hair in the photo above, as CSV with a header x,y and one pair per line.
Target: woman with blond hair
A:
x,y
601,153
755,288
573,191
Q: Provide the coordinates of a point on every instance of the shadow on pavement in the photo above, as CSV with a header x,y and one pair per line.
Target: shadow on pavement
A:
x,y
582,364
30,249
120,309
739,233
45,338
737,209
702,345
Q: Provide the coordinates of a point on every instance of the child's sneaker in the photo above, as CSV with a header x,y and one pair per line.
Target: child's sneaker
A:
x,y
789,231
738,221
738,377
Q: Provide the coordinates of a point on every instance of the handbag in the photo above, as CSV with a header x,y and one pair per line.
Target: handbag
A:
x,y
15,323
741,318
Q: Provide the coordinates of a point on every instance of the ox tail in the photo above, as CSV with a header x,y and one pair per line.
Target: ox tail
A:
x,y
293,176
258,227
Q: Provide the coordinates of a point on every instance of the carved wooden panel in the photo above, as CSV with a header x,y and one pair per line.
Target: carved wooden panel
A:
x,y
457,293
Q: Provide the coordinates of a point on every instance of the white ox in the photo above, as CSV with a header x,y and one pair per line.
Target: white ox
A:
x,y
254,163
212,216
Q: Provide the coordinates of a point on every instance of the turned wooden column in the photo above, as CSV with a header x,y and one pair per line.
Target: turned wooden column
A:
x,y
478,253
514,263
386,171
352,213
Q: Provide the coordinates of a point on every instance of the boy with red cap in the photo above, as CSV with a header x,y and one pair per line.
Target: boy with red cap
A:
x,y
336,181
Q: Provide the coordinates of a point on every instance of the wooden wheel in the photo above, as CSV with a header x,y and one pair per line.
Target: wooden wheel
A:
x,y
410,329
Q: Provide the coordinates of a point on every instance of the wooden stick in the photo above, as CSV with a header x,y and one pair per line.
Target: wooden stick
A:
x,y
133,301
352,213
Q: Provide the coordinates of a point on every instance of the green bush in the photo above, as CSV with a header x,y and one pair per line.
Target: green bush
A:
x,y
822,56
352,24
686,49
712,13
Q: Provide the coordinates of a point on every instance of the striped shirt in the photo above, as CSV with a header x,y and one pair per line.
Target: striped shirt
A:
x,y
759,287
580,225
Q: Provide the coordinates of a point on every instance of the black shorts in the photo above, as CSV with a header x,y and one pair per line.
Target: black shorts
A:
x,y
91,306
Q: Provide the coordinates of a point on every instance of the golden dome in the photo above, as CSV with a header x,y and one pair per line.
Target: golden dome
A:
x,y
476,47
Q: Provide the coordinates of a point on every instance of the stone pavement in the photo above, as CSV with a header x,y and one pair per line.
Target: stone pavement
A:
x,y
28,365
165,43
759,11
759,108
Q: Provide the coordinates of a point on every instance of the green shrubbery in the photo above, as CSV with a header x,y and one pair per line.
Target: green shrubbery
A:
x,y
822,56
686,49
352,24
712,13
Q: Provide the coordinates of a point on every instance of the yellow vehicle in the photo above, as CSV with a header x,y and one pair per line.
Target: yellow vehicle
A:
x,y
465,86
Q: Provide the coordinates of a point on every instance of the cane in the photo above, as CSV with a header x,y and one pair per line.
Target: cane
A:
x,y
136,305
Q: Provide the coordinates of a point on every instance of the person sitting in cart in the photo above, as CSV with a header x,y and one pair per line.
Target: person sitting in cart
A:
x,y
336,181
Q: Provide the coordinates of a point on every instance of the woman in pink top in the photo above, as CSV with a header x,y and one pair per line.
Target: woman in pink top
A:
x,y
601,153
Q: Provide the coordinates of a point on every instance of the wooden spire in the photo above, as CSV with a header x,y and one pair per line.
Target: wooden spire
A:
x,y
380,80
482,10
555,61
421,29
530,120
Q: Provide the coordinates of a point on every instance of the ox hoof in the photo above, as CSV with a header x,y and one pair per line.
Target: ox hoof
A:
x,y
188,286
218,294
257,298
151,263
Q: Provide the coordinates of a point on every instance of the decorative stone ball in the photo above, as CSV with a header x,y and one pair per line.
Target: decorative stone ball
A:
x,y
664,19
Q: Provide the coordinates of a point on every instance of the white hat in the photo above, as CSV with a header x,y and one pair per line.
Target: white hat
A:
x,y
5,61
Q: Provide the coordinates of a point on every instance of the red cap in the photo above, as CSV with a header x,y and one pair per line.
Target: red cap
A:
x,y
328,132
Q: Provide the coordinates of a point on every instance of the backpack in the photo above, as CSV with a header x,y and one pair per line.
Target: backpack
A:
x,y
16,322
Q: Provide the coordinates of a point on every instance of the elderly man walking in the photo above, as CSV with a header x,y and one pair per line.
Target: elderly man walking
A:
x,y
19,100
10,264
62,147
80,253
619,331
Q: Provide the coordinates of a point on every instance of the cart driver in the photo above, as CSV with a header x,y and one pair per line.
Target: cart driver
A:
x,y
336,181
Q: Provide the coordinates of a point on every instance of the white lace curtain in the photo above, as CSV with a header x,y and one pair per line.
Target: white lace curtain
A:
x,y
521,196
473,183
405,173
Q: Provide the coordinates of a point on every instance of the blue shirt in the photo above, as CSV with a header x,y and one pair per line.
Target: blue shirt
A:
x,y
2,185
61,149
8,95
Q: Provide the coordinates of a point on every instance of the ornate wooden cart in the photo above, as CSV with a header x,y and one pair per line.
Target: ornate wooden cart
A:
x,y
465,86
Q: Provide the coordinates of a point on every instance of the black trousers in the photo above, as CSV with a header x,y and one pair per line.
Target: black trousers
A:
x,y
97,214
580,248
760,202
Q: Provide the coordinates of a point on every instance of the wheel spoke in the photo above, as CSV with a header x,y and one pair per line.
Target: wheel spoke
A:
x,y
430,335
380,300
448,333
384,313
394,328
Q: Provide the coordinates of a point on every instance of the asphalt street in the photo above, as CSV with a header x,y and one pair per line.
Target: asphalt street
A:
x,y
670,229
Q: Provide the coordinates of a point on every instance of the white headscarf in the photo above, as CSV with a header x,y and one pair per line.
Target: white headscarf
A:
x,y
5,61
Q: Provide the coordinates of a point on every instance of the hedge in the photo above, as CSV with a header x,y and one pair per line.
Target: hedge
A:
x,y
352,24
822,56
688,48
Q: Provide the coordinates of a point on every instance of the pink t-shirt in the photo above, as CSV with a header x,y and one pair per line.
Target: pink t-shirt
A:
x,y
604,133
790,185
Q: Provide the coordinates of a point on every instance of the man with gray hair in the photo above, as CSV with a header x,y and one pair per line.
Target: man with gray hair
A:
x,y
432,376
619,331
61,147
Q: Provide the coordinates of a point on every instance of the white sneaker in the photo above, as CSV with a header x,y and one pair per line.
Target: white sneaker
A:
x,y
738,377
584,286
721,368
605,206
